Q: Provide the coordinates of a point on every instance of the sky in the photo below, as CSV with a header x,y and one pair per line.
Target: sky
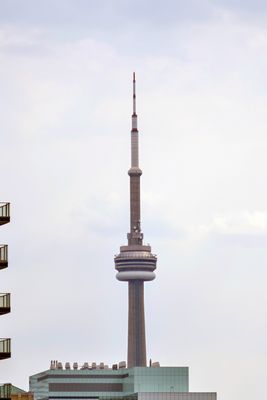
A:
x,y
65,78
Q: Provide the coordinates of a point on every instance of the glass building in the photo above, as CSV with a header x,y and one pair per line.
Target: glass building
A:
x,y
140,383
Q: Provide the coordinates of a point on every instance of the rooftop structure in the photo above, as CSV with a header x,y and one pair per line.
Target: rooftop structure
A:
x,y
8,391
20,394
91,381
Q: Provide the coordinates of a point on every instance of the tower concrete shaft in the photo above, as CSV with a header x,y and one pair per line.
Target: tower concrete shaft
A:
x,y
136,324
135,263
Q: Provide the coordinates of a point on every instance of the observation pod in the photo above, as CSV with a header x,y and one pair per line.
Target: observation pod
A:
x,y
135,262
5,348
4,213
5,391
4,303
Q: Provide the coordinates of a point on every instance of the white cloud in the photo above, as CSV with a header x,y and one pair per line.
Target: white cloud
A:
x,y
243,223
12,37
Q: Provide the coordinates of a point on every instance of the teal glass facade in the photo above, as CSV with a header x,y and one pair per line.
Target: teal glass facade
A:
x,y
162,379
107,383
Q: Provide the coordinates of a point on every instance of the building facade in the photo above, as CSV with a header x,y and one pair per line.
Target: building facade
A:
x,y
5,343
20,394
94,382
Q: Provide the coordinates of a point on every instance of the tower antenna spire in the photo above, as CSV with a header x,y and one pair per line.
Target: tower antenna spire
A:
x,y
134,95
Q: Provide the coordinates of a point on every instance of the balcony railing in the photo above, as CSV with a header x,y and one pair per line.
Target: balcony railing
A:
x,y
3,256
4,303
4,213
5,391
5,348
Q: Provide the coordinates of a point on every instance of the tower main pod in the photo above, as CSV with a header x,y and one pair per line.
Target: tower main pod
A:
x,y
135,263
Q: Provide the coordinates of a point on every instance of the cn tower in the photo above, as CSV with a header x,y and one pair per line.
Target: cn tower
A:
x,y
135,263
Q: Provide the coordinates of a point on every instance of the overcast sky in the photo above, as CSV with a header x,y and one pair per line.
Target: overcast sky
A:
x,y
65,76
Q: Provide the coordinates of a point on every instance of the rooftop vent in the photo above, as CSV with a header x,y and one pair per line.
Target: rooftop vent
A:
x,y
85,366
52,364
122,364
67,365
155,364
59,365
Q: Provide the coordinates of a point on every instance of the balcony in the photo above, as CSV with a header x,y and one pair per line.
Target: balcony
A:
x,y
4,213
4,303
5,348
5,391
3,256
